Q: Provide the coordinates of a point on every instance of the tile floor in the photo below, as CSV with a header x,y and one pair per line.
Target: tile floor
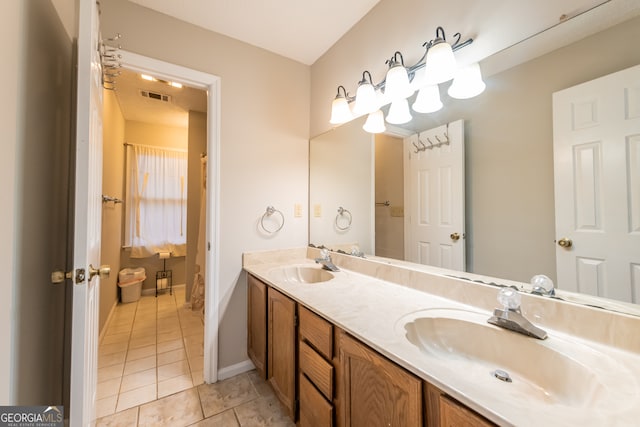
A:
x,y
150,365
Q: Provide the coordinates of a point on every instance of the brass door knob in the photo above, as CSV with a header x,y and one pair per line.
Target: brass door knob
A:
x,y
565,243
455,236
104,271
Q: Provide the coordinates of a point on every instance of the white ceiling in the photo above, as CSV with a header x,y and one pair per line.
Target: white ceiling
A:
x,y
298,29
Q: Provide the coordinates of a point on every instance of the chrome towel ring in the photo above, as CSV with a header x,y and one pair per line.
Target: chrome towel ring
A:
x,y
342,212
268,213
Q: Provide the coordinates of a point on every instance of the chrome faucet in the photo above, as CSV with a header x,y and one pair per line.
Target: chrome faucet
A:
x,y
325,260
510,317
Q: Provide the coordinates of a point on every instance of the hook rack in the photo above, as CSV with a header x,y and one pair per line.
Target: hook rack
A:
x,y
110,61
432,145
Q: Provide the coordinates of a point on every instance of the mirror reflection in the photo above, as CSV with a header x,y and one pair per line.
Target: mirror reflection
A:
x,y
510,223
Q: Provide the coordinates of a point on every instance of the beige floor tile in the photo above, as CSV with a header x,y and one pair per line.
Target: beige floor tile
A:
x,y
177,410
170,345
197,377
171,356
136,397
138,365
195,350
225,419
262,386
114,339
139,353
223,395
106,406
108,388
196,363
146,332
111,359
126,418
265,411
142,341
119,329
169,336
113,348
174,369
110,372
174,385
138,380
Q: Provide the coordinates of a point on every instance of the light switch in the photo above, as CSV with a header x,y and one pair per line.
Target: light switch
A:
x,y
317,211
297,210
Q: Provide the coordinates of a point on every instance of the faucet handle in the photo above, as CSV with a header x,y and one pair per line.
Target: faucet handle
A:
x,y
324,254
509,298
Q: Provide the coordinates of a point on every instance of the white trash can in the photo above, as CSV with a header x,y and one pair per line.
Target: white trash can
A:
x,y
130,282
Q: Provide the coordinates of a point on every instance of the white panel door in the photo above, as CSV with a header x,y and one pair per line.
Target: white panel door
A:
x,y
596,134
434,197
87,220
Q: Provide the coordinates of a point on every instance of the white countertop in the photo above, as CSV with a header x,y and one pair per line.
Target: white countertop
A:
x,y
375,311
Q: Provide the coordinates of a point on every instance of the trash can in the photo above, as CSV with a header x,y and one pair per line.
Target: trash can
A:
x,y
130,282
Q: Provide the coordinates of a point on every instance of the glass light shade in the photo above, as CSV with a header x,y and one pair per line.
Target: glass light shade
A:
x,y
428,100
375,122
340,111
468,83
397,83
441,64
366,99
399,112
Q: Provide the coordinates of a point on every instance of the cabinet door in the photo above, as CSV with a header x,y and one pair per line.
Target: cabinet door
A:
x,y
281,355
375,391
257,324
454,414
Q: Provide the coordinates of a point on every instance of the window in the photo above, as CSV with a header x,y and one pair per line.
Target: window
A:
x,y
156,201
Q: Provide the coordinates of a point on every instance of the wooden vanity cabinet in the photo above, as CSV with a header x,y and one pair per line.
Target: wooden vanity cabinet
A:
x,y
257,324
443,411
281,349
317,373
376,392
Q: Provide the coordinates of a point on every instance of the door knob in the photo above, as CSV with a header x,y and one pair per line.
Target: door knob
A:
x,y
565,243
104,271
455,236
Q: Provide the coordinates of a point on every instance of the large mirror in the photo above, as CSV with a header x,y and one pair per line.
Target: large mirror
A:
x,y
509,184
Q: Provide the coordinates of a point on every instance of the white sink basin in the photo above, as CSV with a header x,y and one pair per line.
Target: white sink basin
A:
x,y
554,371
300,274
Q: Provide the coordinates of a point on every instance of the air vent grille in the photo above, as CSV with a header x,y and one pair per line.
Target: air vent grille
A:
x,y
155,95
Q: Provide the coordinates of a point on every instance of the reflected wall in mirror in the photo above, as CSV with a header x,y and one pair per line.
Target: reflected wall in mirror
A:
x,y
509,206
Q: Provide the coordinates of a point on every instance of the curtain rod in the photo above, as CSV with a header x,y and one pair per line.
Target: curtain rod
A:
x,y
179,150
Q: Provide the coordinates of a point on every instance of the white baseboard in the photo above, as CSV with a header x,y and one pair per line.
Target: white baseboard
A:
x,y
106,323
237,369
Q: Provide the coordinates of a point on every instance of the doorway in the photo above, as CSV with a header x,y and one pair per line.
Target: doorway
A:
x,y
210,84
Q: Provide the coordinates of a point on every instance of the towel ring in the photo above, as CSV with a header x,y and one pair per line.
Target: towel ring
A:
x,y
343,212
270,211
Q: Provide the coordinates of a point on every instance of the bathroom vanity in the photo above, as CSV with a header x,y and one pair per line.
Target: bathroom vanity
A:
x,y
381,344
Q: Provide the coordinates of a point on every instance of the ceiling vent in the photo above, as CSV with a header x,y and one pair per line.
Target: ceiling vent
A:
x,y
155,95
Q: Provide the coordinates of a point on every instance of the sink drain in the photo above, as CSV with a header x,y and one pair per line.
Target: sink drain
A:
x,y
502,375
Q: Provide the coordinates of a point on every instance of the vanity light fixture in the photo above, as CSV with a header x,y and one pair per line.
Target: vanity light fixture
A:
x,y
375,122
340,111
366,97
400,83
153,79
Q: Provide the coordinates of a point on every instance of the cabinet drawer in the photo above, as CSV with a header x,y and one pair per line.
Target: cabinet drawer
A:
x,y
453,414
315,411
319,371
316,331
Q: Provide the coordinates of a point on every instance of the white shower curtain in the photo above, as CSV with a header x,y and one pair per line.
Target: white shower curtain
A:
x,y
197,290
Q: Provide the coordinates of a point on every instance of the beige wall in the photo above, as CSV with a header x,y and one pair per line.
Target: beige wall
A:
x,y
389,184
35,125
510,225
264,131
113,125
197,146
